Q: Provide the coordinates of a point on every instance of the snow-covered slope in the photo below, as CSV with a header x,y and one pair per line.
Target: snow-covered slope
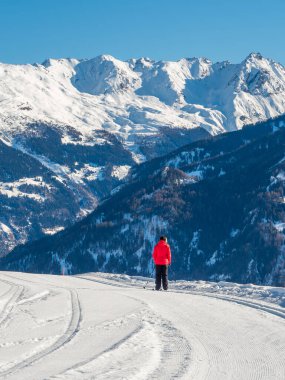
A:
x,y
109,327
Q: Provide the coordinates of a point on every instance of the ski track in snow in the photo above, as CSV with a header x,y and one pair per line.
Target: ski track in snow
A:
x,y
261,306
70,332
167,350
12,295
65,338
92,327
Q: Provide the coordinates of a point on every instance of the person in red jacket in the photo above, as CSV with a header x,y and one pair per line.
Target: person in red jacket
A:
x,y
162,259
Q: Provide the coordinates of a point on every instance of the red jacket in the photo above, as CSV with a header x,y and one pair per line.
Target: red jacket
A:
x,y
161,253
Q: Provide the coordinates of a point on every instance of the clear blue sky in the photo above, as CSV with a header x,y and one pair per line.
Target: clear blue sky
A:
x,y
32,30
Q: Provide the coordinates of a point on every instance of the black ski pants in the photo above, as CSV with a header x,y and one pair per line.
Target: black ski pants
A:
x,y
161,274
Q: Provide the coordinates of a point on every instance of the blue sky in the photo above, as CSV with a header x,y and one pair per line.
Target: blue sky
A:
x,y
33,30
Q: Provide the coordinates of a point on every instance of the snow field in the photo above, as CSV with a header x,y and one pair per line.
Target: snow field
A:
x,y
100,326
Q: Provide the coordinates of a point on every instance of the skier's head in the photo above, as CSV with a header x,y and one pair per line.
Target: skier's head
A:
x,y
163,238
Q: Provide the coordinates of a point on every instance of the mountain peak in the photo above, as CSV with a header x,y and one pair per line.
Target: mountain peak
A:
x,y
254,56
104,74
105,57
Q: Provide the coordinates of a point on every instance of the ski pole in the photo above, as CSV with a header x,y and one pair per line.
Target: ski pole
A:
x,y
149,280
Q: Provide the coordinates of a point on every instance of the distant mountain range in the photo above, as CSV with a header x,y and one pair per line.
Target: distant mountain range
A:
x,y
220,201
71,130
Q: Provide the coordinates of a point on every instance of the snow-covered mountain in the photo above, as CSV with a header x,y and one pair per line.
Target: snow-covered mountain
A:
x,y
219,200
85,123
138,96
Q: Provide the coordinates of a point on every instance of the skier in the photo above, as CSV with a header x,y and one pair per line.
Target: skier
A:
x,y
162,259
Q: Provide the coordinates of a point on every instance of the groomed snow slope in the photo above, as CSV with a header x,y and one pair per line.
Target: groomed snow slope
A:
x,y
108,327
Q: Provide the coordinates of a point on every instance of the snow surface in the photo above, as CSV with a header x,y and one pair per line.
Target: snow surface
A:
x,y
103,326
13,189
52,231
5,228
121,171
